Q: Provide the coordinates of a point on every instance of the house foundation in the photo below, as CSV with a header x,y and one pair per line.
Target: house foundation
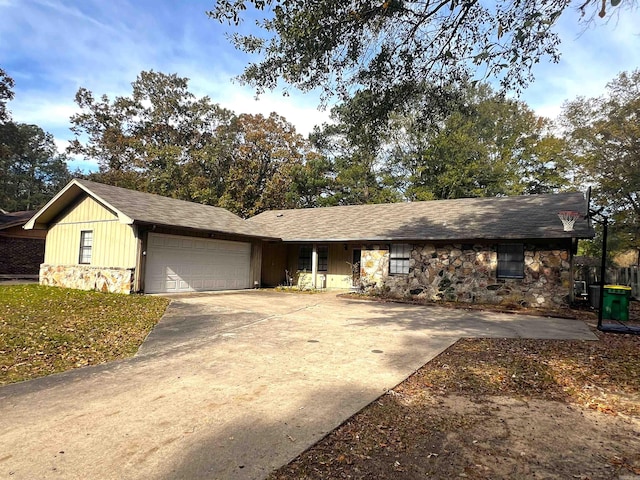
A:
x,y
85,277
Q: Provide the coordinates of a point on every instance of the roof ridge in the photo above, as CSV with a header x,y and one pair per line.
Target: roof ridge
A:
x,y
138,192
133,206
420,202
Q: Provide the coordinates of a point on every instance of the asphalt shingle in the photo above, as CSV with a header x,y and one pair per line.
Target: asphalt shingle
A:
x,y
519,217
158,210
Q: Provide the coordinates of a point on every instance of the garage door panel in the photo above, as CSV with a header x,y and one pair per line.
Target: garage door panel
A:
x,y
180,264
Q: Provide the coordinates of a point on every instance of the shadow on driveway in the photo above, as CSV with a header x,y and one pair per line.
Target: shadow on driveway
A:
x,y
233,386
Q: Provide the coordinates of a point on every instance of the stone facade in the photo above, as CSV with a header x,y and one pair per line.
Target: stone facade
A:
x,y
467,273
86,277
374,266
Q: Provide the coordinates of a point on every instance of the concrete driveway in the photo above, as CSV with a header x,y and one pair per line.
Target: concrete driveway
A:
x,y
232,386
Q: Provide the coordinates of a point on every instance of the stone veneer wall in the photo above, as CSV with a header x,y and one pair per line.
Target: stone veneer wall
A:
x,y
86,277
374,267
468,274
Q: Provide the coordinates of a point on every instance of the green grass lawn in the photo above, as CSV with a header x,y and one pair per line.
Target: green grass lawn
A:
x,y
45,330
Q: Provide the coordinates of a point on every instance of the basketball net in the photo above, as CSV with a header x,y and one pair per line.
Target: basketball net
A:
x,y
568,218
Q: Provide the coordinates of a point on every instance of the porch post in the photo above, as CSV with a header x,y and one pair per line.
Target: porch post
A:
x,y
314,265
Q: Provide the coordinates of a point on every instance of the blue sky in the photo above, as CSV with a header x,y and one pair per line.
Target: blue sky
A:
x,y
53,47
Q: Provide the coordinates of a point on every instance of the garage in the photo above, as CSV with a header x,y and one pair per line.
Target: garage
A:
x,y
188,264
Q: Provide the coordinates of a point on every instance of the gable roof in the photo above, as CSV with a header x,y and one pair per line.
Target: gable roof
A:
x,y
520,217
133,207
515,218
15,219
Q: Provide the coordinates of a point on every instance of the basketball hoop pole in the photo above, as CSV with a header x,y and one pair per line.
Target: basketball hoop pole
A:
x,y
603,259
603,269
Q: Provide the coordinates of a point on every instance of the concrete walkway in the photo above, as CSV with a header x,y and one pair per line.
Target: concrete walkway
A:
x,y
233,386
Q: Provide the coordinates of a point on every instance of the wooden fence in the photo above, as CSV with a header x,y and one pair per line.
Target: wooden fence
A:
x,y
629,276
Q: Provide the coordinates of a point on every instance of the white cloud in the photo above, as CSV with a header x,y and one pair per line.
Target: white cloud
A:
x,y
43,111
52,47
303,114
299,109
61,144
591,57
103,46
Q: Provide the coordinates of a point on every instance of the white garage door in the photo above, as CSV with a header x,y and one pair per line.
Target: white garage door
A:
x,y
186,264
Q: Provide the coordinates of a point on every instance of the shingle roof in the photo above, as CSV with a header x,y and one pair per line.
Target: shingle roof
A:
x,y
13,219
521,217
138,207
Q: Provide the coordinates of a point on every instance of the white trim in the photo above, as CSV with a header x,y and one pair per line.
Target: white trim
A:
x,y
122,218
30,225
87,221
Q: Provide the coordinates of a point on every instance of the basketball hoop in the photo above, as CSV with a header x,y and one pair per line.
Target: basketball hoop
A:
x,y
568,218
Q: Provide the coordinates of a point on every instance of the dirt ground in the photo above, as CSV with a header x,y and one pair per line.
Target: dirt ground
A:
x,y
498,409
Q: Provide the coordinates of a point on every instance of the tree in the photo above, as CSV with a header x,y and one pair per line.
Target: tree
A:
x,y
33,170
470,142
263,157
162,139
159,139
490,145
605,135
311,182
379,45
353,144
6,94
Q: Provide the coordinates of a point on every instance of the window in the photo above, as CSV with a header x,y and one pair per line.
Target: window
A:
x,y
86,243
511,260
304,257
323,258
399,258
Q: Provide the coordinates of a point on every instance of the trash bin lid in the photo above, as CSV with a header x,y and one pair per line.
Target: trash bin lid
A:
x,y
617,287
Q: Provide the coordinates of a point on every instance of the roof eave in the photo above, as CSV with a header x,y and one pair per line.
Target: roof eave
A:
x,y
123,218
63,198
434,239
265,238
6,226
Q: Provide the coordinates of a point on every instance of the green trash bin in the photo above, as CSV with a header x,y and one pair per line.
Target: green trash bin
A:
x,y
615,302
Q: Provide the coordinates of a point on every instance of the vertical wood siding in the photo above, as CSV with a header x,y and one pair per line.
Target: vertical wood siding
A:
x,y
85,210
256,263
339,271
114,243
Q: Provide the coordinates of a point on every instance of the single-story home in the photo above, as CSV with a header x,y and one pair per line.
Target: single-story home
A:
x,y
21,251
118,240
506,249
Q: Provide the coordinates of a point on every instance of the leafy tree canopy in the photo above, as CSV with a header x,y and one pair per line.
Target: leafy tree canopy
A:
x,y
462,142
6,94
31,169
605,137
163,139
264,153
378,45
